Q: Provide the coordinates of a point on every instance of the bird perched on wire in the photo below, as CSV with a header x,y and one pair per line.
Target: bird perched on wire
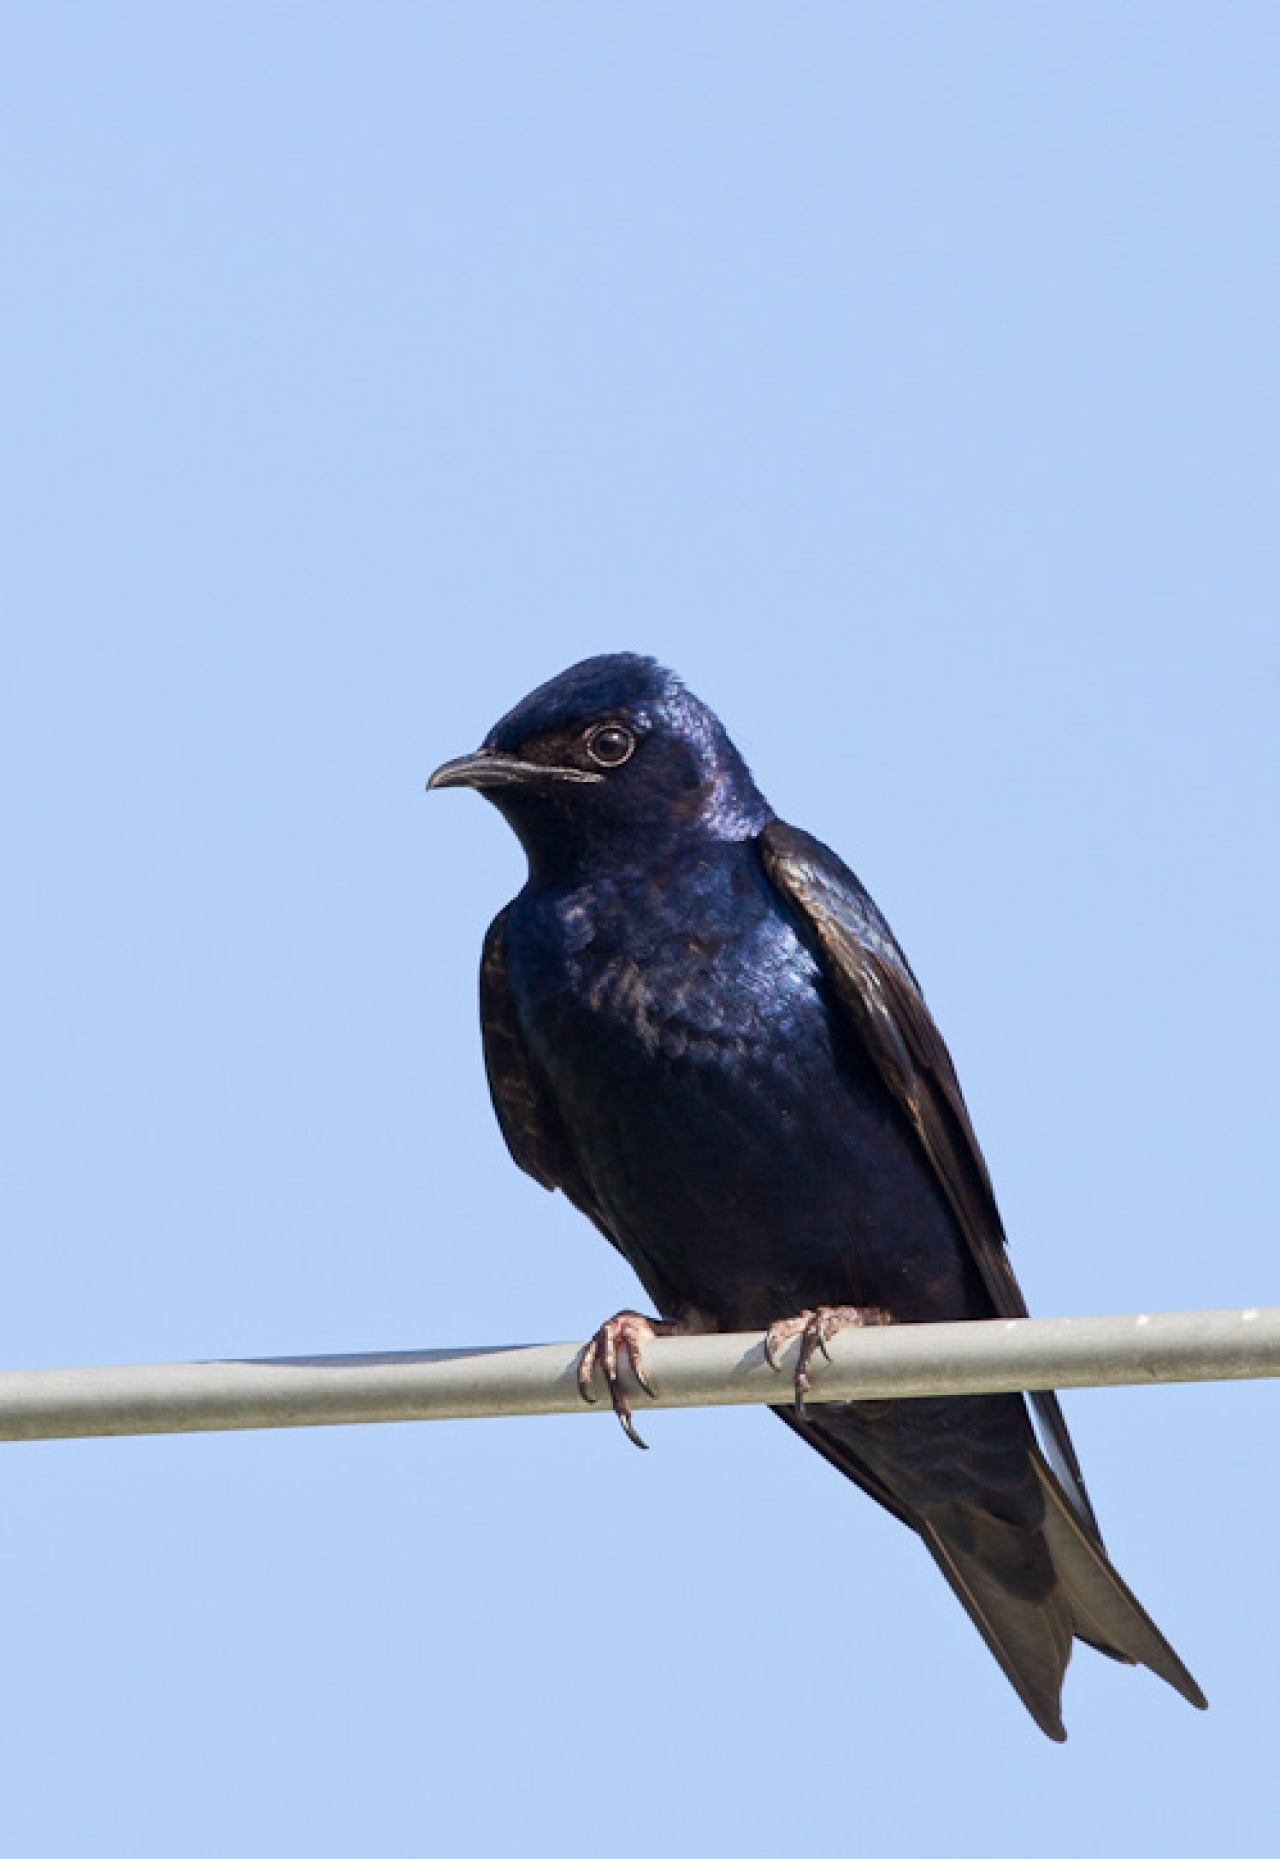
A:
x,y
698,1025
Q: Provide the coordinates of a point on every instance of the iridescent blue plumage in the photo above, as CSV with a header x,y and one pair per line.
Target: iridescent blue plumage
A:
x,y
744,1200
698,1025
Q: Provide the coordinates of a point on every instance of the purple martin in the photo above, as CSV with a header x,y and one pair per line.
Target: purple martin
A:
x,y
699,1027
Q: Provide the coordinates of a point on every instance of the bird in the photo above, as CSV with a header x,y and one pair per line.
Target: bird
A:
x,y
698,1026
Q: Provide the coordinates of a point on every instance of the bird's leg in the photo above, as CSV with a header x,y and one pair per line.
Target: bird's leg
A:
x,y
622,1336
815,1328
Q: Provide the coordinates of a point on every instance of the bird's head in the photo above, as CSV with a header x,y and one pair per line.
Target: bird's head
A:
x,y
613,756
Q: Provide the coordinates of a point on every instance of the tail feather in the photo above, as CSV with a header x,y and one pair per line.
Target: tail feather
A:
x,y
1030,1633
1105,1611
1022,1560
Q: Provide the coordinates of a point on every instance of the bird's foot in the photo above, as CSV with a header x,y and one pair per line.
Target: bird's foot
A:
x,y
815,1328
622,1337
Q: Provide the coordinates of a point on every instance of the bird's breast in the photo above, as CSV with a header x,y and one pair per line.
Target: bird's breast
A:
x,y
673,969
740,1146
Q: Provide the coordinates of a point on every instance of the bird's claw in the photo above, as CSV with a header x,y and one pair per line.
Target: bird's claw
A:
x,y
622,1337
815,1328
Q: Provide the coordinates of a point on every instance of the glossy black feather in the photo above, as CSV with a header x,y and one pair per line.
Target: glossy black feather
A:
x,y
526,1109
699,1026
886,1008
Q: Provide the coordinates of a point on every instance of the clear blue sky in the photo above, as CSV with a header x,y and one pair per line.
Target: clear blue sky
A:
x,y
907,377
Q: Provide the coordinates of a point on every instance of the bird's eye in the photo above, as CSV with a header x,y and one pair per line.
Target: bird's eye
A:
x,y
610,745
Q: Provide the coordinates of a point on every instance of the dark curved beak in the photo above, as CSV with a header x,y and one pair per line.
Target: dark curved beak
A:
x,y
486,768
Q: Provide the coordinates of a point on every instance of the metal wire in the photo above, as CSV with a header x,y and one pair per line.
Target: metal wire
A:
x,y
698,1371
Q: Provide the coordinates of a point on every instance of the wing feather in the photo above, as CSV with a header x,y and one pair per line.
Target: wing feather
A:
x,y
528,1114
885,1008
